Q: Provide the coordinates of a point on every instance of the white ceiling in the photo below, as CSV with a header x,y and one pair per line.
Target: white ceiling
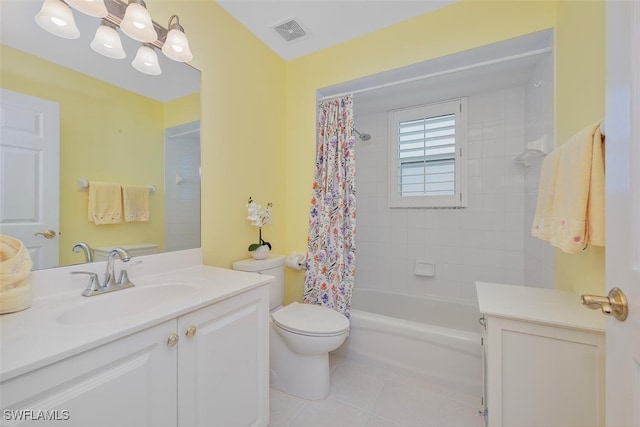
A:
x,y
329,22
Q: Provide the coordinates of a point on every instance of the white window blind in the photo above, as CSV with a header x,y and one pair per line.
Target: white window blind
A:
x,y
427,168
426,155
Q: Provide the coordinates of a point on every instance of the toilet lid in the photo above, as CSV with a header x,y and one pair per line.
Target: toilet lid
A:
x,y
309,319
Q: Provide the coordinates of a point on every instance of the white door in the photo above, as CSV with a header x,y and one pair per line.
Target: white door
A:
x,y
623,209
29,174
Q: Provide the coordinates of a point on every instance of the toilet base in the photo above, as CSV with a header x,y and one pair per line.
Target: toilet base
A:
x,y
304,376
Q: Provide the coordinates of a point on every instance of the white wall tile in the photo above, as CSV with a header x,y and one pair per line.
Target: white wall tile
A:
x,y
486,241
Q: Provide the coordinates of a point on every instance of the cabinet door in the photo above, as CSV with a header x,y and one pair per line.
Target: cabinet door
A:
x,y
223,368
127,383
542,375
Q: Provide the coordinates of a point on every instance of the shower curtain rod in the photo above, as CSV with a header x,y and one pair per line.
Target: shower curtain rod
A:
x,y
444,72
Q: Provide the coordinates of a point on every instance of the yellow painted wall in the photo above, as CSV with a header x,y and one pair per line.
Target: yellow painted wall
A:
x,y
182,110
258,112
99,140
580,101
448,30
242,128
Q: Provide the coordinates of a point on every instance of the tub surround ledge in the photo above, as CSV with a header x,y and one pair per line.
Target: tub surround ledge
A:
x,y
538,305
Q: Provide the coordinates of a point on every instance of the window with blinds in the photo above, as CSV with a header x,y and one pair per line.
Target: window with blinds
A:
x,y
427,147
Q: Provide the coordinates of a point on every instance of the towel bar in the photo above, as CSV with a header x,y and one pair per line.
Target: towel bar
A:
x,y
83,185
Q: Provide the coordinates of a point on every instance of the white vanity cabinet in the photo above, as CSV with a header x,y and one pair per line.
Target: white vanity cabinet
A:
x,y
223,363
544,358
128,382
208,367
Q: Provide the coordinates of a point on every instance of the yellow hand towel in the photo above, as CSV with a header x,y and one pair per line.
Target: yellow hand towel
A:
x,y
105,203
570,209
136,203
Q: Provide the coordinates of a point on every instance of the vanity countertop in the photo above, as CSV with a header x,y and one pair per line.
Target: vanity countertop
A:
x,y
36,337
546,306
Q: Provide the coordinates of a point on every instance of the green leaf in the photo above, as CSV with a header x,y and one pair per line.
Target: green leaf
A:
x,y
267,243
253,247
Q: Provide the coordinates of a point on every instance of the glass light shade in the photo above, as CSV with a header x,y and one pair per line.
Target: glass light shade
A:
x,y
56,18
107,42
176,46
90,7
137,23
146,61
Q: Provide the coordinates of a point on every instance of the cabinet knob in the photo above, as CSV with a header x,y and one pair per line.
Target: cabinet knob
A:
x,y
191,331
173,340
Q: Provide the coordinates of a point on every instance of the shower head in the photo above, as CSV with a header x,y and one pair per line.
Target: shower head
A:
x,y
362,136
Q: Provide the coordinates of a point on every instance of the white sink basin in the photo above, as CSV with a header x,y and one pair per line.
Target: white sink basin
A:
x,y
127,302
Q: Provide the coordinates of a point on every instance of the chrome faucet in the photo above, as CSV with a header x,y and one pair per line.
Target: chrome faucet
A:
x,y
110,283
82,246
110,275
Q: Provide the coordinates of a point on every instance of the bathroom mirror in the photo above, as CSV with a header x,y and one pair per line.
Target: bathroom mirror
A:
x,y
116,125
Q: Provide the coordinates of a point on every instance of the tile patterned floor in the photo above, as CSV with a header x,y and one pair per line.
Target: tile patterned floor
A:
x,y
363,395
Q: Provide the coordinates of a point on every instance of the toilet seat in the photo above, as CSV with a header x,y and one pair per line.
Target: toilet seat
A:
x,y
310,320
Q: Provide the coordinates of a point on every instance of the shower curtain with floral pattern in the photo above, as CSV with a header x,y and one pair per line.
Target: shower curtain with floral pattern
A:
x,y
329,277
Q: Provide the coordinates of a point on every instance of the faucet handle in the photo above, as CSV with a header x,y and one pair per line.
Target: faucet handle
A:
x,y
124,275
94,284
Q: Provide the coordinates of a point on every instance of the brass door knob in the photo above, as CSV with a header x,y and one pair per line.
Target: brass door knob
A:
x,y
173,340
191,331
49,234
615,304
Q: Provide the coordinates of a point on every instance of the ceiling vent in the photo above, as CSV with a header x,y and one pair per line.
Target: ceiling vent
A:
x,y
292,29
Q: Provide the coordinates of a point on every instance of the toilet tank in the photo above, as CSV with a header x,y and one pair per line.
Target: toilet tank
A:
x,y
273,266
133,249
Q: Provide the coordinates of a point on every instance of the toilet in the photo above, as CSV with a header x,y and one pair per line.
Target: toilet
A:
x,y
300,336
133,249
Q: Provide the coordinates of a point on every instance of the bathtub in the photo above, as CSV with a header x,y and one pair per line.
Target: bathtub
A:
x,y
431,337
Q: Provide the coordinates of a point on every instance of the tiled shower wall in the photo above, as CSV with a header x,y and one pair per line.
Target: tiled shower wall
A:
x,y
539,266
485,241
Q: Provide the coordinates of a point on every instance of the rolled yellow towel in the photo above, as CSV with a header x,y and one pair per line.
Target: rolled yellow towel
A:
x,y
15,269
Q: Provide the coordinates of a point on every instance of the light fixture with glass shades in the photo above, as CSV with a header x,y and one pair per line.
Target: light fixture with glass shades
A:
x,y
107,41
56,17
146,60
132,18
137,22
176,45
95,8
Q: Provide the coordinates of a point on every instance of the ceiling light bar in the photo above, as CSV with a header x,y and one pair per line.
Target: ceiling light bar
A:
x,y
132,18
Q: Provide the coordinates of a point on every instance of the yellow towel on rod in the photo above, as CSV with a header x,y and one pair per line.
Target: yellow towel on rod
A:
x,y
571,204
136,203
105,203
